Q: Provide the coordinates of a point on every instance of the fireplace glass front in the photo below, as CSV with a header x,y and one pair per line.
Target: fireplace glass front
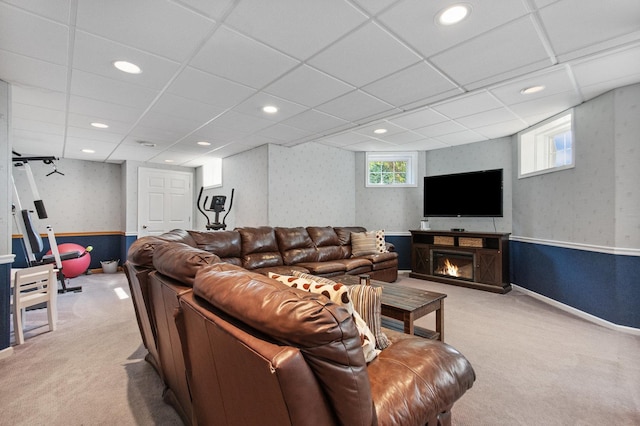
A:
x,y
450,264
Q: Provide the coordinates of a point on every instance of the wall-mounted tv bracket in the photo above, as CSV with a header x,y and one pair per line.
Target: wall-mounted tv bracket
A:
x,y
216,206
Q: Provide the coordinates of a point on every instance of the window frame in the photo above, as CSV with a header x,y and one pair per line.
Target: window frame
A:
x,y
548,130
410,157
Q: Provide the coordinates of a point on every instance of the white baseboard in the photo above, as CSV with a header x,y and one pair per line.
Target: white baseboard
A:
x,y
6,353
578,313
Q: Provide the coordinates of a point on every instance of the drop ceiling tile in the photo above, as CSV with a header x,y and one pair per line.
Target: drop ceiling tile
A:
x,y
74,146
369,129
469,104
308,86
26,34
557,80
96,55
364,56
418,119
414,22
297,27
371,145
36,125
132,153
439,129
216,134
83,121
373,7
499,130
188,109
32,73
189,145
315,121
504,52
282,133
419,82
35,113
104,112
58,10
253,106
229,150
173,127
241,122
485,118
161,27
576,24
343,140
28,142
208,88
424,144
213,9
545,107
343,107
42,99
241,59
605,72
161,137
95,135
112,91
402,138
461,138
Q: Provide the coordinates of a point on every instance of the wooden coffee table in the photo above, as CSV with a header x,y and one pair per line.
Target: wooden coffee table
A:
x,y
402,305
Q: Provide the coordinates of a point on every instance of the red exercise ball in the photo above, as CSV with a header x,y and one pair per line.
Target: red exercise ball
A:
x,y
71,268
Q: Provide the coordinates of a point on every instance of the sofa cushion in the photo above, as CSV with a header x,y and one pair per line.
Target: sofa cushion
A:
x,y
337,293
363,243
295,245
344,233
323,331
227,245
181,261
141,251
381,244
259,248
326,241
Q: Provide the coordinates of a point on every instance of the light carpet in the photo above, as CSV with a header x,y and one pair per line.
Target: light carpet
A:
x,y
535,364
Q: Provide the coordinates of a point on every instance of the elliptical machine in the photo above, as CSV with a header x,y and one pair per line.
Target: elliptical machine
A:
x,y
216,206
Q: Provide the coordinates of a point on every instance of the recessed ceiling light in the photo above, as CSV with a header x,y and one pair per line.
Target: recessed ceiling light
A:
x,y
203,143
127,67
88,151
270,109
532,89
168,161
100,125
453,14
380,131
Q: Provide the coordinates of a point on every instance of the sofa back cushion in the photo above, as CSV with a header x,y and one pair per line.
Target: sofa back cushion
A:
x,y
322,330
296,245
227,245
344,235
181,261
326,241
259,248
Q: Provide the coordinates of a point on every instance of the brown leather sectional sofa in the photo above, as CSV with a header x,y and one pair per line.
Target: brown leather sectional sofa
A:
x,y
235,347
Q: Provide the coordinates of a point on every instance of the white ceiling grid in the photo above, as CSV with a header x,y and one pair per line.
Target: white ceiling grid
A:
x,y
336,69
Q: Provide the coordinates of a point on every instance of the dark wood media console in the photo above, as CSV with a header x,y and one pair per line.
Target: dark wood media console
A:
x,y
477,260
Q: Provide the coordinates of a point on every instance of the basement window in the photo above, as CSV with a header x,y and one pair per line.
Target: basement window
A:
x,y
547,147
391,169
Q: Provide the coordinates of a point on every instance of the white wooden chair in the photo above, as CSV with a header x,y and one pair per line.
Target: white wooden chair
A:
x,y
33,286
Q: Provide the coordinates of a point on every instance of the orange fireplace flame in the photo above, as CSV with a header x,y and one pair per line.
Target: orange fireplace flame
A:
x,y
450,269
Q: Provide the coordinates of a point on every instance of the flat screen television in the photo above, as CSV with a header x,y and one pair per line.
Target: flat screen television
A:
x,y
473,194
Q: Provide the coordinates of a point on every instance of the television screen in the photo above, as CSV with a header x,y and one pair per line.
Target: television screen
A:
x,y
476,194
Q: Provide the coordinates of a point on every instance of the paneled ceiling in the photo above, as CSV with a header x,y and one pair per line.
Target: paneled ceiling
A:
x,y
337,70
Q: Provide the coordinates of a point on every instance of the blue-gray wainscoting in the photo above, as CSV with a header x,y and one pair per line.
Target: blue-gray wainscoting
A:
x,y
605,285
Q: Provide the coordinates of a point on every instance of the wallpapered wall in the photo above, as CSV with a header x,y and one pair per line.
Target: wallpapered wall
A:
x,y
311,185
627,164
87,198
280,186
598,201
5,170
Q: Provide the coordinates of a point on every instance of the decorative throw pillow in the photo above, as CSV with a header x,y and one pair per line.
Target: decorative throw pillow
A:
x,y
381,245
339,294
363,243
367,300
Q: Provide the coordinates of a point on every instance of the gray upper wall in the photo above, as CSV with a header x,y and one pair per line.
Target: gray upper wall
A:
x,y
597,202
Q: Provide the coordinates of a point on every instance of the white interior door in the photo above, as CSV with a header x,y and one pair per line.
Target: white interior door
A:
x,y
165,201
